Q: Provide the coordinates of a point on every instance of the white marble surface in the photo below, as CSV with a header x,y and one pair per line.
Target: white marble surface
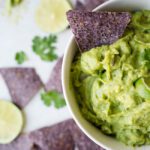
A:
x,y
16,34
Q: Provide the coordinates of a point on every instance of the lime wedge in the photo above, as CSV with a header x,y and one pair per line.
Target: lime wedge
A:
x,y
143,87
51,15
11,122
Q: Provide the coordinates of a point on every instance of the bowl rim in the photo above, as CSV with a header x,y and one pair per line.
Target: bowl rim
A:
x,y
73,114
75,118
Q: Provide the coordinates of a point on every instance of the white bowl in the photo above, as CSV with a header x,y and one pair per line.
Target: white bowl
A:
x,y
90,130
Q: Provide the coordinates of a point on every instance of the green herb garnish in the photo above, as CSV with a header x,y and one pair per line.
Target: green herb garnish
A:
x,y
53,97
21,57
45,47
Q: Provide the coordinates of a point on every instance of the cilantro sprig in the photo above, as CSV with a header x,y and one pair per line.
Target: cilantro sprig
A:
x,y
53,98
45,47
21,57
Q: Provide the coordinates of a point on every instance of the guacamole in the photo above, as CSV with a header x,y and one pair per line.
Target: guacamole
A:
x,y
112,83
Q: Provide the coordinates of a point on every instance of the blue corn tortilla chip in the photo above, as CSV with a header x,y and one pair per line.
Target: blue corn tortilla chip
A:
x,y
54,82
62,136
88,5
92,29
52,138
23,142
79,5
23,84
82,142
91,4
65,135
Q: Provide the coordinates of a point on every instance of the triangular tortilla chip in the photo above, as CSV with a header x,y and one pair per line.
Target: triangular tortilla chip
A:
x,y
92,29
23,84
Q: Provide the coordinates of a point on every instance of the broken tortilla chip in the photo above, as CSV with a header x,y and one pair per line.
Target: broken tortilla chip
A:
x,y
23,84
92,29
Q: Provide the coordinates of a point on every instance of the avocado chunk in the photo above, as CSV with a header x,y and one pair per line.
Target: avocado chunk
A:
x,y
143,88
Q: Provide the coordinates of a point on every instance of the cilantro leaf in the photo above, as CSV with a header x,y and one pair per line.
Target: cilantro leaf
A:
x,y
53,97
45,47
21,57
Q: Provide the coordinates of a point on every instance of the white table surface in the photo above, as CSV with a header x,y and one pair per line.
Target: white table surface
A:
x,y
16,34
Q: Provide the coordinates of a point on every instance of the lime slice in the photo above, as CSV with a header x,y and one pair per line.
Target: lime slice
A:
x,y
143,87
51,15
11,122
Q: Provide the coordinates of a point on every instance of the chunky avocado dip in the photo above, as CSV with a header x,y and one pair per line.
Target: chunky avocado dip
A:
x,y
112,84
